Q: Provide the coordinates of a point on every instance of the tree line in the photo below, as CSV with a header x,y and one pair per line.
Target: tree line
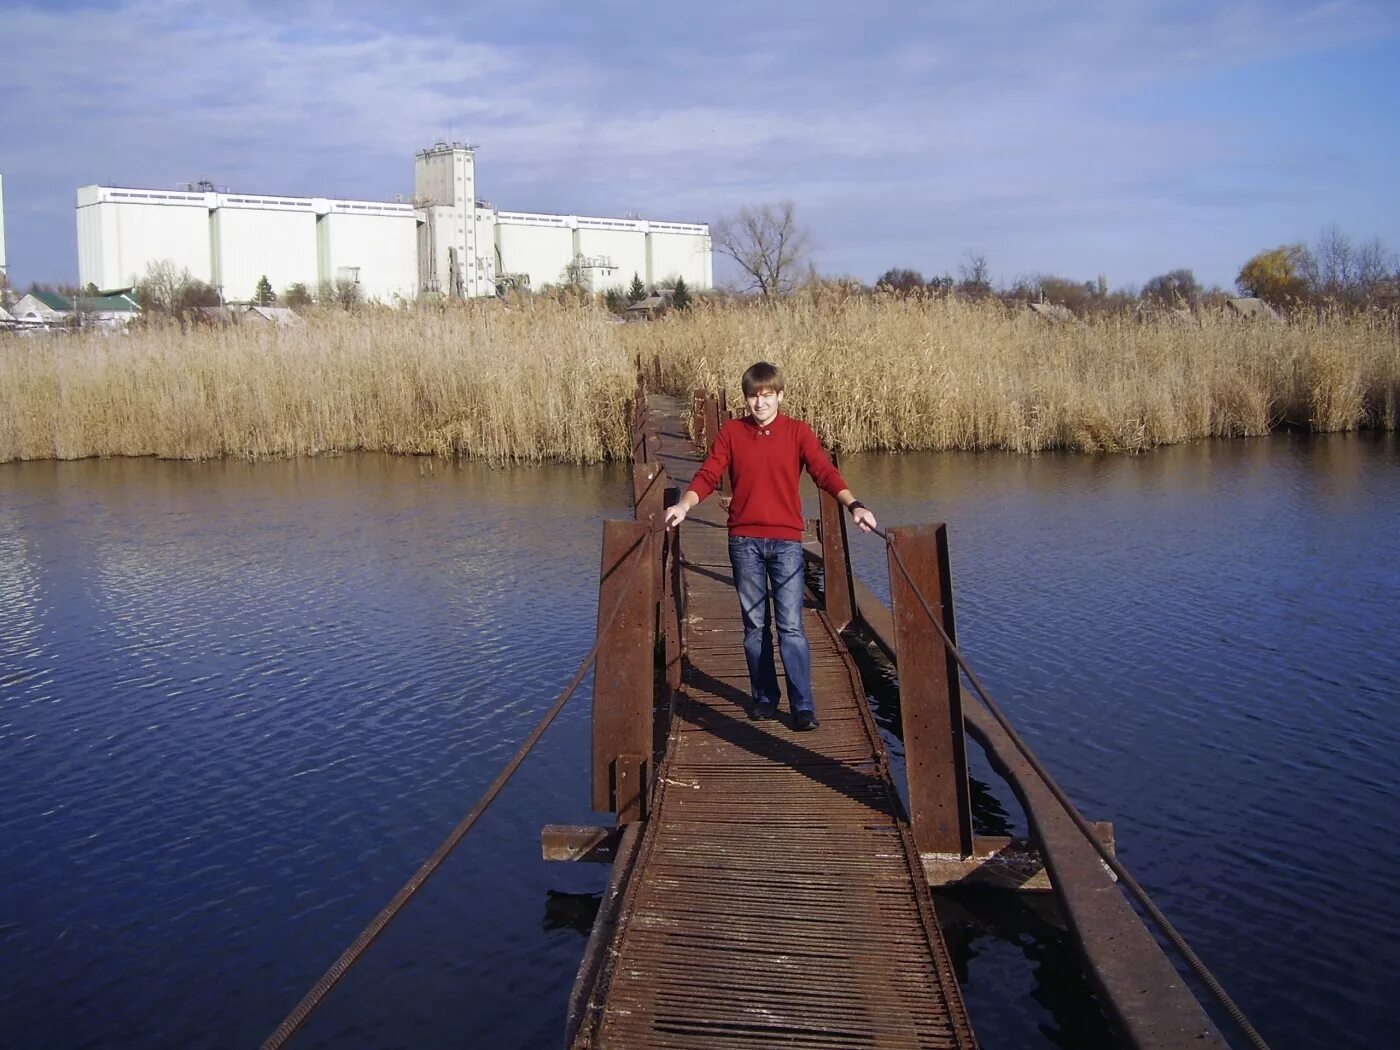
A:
x,y
772,251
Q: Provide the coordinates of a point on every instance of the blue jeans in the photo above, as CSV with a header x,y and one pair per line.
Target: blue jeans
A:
x,y
756,562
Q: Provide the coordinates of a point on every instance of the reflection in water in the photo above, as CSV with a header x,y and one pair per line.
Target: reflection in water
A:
x,y
240,703
989,816
571,911
1199,643
992,937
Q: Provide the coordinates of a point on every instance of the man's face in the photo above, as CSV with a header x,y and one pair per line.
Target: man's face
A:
x,y
763,405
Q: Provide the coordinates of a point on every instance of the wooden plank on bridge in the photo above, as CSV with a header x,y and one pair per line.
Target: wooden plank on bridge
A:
x,y
777,897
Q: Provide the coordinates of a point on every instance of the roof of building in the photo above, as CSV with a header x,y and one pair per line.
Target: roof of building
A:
x,y
1253,309
283,316
53,300
1052,312
111,302
659,299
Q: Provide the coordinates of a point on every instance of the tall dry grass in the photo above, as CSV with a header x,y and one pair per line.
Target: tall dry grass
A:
x,y
549,382
545,381
882,373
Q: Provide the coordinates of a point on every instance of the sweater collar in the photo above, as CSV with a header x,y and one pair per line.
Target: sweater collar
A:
x,y
767,428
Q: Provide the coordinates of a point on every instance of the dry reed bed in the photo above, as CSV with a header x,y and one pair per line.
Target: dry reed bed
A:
x,y
545,381
873,373
478,381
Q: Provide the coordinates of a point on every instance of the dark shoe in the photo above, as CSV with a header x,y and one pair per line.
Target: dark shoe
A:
x,y
805,720
763,712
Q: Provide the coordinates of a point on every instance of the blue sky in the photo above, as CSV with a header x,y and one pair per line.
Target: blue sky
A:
x,y
1124,138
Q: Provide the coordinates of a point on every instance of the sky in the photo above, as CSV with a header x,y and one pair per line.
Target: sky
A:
x,y
1120,138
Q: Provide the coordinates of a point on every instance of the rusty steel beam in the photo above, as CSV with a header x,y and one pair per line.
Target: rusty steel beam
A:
x,y
940,806
836,563
579,842
711,421
649,483
673,606
622,677
697,417
629,783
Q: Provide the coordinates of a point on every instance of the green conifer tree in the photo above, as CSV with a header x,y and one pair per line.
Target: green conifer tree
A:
x,y
637,291
263,295
681,297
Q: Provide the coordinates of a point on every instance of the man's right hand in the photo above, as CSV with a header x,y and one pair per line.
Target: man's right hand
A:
x,y
675,514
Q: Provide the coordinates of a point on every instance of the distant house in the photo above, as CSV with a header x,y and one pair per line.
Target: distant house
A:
x,y
1252,309
280,316
653,305
109,309
106,310
6,318
1052,313
43,308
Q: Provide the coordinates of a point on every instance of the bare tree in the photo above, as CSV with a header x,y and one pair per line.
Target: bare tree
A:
x,y
166,289
1374,263
975,277
1335,268
767,243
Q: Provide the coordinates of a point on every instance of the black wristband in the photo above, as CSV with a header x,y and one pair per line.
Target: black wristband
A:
x,y
855,505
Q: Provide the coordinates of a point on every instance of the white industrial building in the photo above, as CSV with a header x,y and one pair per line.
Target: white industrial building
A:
x,y
444,241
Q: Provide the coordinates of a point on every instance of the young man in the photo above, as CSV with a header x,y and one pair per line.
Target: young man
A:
x,y
764,455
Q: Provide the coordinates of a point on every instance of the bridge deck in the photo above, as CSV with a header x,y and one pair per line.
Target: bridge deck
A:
x,y
776,899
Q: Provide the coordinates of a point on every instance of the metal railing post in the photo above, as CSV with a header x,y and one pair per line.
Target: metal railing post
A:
x,y
711,421
697,417
673,604
649,483
929,698
837,587
624,675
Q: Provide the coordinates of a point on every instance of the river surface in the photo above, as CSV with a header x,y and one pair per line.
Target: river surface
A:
x,y
240,703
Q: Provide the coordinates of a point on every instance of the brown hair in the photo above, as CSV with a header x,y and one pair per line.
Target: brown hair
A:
x,y
762,376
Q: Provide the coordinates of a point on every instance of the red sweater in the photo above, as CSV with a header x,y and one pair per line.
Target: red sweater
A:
x,y
764,465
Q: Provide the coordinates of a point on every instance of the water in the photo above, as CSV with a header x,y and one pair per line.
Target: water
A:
x,y
239,704
1201,644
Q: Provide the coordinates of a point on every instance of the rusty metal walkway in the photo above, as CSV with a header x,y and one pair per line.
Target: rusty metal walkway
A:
x,y
776,898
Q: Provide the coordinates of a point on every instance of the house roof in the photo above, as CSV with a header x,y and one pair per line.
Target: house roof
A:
x,y
111,302
279,315
1253,309
53,300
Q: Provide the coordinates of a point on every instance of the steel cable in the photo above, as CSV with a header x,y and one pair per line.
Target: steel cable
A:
x,y
357,947
1163,923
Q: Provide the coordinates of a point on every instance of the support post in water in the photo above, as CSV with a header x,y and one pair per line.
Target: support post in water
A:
x,y
623,676
930,701
836,564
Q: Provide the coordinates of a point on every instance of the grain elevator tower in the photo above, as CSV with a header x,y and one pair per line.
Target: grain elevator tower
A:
x,y
451,261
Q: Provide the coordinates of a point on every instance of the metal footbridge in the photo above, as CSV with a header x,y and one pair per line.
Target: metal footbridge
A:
x,y
776,897
770,887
